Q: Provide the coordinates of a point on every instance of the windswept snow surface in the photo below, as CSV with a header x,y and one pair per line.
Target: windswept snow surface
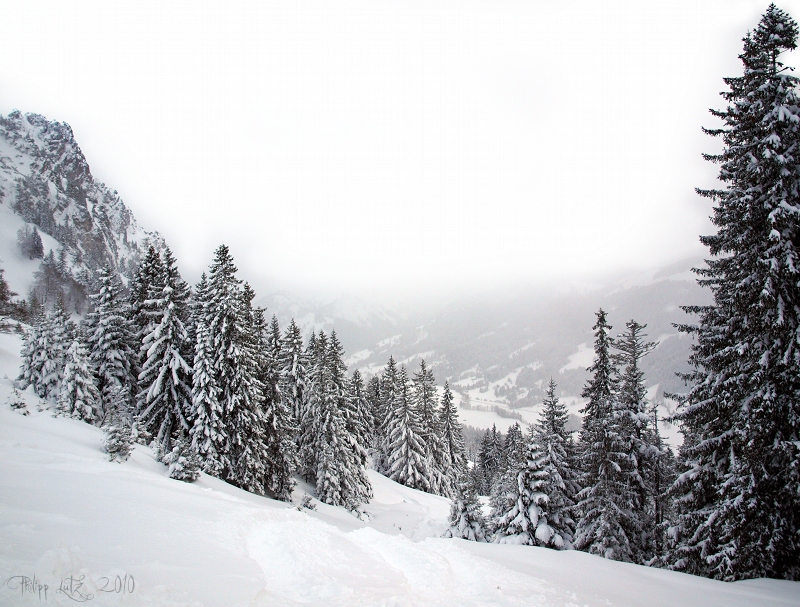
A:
x,y
68,517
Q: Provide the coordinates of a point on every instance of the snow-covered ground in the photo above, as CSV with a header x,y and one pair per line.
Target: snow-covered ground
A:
x,y
79,525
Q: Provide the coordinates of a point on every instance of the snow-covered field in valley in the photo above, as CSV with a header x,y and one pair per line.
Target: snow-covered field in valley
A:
x,y
74,526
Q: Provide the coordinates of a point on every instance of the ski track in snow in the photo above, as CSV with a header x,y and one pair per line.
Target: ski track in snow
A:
x,y
65,511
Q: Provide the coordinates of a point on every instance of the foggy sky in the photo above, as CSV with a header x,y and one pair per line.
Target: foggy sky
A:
x,y
375,143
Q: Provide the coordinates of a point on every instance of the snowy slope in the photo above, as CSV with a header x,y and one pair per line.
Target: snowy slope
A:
x,y
66,512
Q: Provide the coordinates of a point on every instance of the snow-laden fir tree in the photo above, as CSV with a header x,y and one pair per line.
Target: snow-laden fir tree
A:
x,y
292,369
145,287
279,449
44,348
526,520
551,435
110,338
117,429
183,462
243,396
79,396
466,520
358,417
490,456
164,400
513,457
372,394
424,396
388,385
605,501
635,424
208,432
739,507
275,341
407,459
345,472
308,437
451,437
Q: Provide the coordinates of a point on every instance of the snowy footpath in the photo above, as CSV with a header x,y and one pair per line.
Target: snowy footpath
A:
x,y
75,527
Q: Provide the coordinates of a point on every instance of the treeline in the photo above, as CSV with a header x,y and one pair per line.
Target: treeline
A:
x,y
213,385
728,506
604,492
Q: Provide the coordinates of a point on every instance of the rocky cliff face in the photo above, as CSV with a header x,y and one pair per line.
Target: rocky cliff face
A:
x,y
45,179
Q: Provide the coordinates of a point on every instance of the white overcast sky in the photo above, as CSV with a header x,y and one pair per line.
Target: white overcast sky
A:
x,y
360,143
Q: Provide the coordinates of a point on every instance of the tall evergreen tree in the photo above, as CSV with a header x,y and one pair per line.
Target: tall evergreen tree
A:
x,y
208,432
739,508
279,449
638,433
550,433
466,520
110,339
451,438
490,456
164,400
79,397
245,395
513,458
387,402
44,351
145,288
358,417
424,395
292,368
605,501
407,461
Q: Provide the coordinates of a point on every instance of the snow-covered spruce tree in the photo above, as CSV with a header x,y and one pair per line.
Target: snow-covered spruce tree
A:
x,y
145,288
372,395
358,417
513,457
292,368
424,397
183,462
662,478
79,397
341,469
737,497
605,500
308,431
638,433
466,520
550,433
525,522
406,453
117,431
208,431
165,383
44,349
243,396
109,338
279,449
386,403
274,340
451,437
490,456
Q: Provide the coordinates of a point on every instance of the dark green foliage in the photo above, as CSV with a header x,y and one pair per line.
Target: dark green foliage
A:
x,y
736,495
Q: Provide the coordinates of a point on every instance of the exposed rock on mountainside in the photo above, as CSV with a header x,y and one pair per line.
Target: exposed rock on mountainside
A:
x,y
45,179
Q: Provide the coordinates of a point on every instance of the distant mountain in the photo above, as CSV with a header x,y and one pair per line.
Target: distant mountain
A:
x,y
501,350
46,182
